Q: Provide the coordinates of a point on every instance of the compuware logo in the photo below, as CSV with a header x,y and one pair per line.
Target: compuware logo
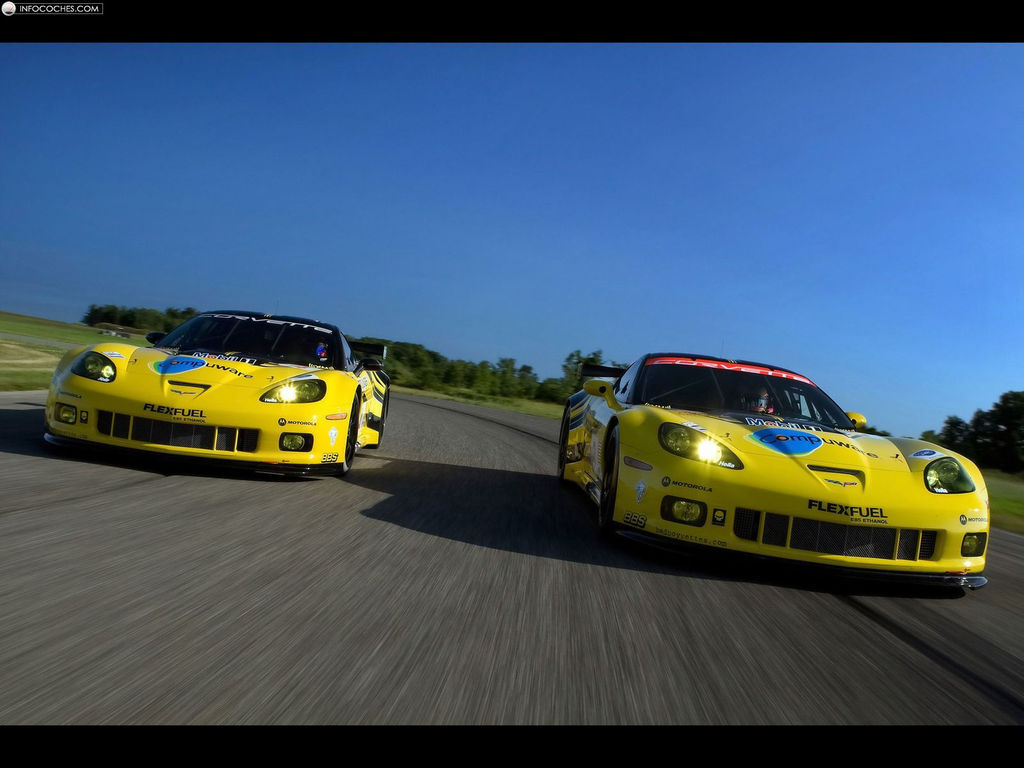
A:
x,y
178,364
790,442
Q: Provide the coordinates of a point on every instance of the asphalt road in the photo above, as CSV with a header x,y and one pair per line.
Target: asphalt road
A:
x,y
448,579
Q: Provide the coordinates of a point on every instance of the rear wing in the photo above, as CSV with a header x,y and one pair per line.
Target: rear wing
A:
x,y
363,348
594,371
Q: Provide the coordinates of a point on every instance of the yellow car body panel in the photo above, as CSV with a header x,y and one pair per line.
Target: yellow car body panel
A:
x,y
792,489
201,405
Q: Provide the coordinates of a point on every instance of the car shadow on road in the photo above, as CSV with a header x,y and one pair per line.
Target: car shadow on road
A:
x,y
538,515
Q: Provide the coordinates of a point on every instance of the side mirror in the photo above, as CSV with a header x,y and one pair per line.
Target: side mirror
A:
x,y
599,388
155,337
859,421
369,364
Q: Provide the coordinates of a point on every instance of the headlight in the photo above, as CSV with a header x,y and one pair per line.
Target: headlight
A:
x,y
66,413
973,545
291,441
946,475
95,366
686,511
691,444
298,390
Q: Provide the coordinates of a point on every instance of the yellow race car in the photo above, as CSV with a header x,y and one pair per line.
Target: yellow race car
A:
x,y
752,458
276,394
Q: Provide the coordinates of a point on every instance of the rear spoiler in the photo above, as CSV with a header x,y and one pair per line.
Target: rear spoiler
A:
x,y
369,349
594,371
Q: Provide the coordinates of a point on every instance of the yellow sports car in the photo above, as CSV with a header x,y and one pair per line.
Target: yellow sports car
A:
x,y
280,394
756,459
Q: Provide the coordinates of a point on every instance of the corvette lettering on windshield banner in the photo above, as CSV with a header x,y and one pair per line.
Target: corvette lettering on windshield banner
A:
x,y
726,366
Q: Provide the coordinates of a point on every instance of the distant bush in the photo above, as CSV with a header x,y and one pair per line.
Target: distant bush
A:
x,y
136,319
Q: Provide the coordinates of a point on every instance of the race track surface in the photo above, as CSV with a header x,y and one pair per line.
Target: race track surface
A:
x,y
449,579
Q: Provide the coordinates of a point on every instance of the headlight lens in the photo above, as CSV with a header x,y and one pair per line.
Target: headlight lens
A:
x,y
298,390
66,413
93,365
947,475
291,441
973,545
686,511
691,444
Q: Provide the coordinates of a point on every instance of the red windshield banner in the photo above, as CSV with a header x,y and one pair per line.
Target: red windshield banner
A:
x,y
724,365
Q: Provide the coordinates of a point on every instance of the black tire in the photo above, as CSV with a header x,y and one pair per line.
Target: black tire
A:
x,y
383,418
609,482
563,444
350,439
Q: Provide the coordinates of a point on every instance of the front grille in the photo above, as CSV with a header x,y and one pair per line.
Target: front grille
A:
x,y
775,529
121,422
745,523
830,538
848,540
928,544
178,434
225,439
247,439
907,548
173,433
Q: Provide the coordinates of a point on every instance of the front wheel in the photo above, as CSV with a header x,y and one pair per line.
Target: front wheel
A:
x,y
609,482
563,443
383,420
383,417
350,439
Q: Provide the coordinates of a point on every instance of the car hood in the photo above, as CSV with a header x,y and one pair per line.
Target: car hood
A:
x,y
808,444
151,370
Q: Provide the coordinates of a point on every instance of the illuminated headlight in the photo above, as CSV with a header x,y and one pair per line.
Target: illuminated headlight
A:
x,y
297,390
691,444
946,475
65,413
709,450
684,511
93,365
973,544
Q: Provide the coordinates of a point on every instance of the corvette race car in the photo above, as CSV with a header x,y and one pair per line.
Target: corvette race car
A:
x,y
756,459
279,394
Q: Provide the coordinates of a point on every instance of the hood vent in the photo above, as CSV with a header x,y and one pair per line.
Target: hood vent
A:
x,y
838,470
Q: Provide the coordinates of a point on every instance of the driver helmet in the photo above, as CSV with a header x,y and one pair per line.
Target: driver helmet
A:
x,y
758,400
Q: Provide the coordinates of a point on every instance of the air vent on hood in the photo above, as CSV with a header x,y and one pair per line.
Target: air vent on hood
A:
x,y
840,470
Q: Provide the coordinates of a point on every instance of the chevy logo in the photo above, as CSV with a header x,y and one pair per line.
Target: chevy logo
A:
x,y
187,388
840,483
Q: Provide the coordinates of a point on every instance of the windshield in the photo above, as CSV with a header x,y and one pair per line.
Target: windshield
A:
x,y
754,392
255,337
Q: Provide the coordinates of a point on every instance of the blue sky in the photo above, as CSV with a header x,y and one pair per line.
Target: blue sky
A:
x,y
852,212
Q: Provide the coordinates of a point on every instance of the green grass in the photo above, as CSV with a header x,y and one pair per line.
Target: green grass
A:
x,y
519,405
1006,498
38,328
26,366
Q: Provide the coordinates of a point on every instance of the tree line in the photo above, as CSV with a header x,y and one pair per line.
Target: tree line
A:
x,y
138,318
413,365
993,439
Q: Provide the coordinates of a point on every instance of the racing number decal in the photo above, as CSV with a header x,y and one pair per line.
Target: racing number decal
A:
x,y
632,518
